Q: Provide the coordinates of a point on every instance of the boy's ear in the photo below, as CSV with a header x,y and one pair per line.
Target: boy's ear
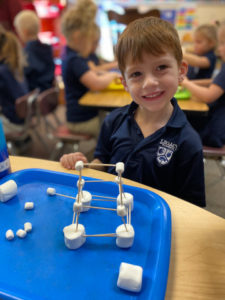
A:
x,y
124,83
183,70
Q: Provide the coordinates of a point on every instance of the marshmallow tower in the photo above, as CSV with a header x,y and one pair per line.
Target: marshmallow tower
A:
x,y
8,190
130,277
74,238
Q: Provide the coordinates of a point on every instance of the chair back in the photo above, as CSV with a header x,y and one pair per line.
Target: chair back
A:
x,y
25,105
48,101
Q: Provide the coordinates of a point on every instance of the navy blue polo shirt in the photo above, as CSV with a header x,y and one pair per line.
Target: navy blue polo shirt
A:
x,y
200,73
40,72
93,57
213,133
73,67
10,90
170,159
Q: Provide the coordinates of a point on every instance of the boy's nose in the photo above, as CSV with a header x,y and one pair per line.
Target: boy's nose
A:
x,y
150,80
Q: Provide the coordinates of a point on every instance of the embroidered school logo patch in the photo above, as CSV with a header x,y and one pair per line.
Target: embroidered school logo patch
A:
x,y
165,152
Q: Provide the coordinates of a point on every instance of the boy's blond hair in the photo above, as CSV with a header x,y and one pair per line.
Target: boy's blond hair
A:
x,y
147,35
28,21
209,32
79,17
11,52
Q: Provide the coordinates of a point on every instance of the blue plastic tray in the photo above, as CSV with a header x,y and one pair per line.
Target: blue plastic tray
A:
x,y
41,267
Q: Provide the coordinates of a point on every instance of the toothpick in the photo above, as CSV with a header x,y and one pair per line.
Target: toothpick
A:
x,y
95,164
100,235
124,223
97,207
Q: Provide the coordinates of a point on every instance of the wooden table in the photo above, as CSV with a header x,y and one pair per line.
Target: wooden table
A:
x,y
197,264
116,98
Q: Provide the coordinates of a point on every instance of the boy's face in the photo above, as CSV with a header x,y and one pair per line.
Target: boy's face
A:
x,y
153,81
201,44
221,39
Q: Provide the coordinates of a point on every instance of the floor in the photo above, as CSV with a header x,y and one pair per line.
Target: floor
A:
x,y
215,182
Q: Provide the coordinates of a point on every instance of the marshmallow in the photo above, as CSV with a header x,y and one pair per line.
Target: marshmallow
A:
x,y
9,235
51,191
127,199
119,168
21,233
29,205
77,207
85,199
121,210
118,180
27,226
125,238
130,277
79,165
81,182
74,239
8,190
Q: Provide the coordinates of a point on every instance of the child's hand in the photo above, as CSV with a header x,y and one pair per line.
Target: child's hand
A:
x,y
68,160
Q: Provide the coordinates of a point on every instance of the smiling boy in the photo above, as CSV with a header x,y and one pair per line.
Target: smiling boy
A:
x,y
151,135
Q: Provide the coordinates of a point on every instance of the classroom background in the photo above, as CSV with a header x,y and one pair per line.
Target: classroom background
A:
x,y
185,15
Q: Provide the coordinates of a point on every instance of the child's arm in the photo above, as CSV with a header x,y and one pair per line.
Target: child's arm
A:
x,y
203,94
102,67
98,82
68,161
196,61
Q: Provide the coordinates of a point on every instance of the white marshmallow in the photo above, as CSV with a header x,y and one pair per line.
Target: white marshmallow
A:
x,y
125,238
119,168
130,277
21,233
9,235
79,165
121,210
77,207
29,205
81,182
127,199
51,191
74,239
118,180
27,226
85,199
8,190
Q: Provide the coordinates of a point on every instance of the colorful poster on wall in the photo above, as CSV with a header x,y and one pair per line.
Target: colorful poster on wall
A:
x,y
186,18
168,15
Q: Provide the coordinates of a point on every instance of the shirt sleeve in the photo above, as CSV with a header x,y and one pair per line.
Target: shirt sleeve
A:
x,y
220,78
103,148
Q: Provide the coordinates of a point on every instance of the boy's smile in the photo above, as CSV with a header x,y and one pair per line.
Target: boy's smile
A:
x,y
153,81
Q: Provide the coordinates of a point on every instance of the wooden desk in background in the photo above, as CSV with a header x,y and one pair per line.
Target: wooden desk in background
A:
x,y
197,262
109,100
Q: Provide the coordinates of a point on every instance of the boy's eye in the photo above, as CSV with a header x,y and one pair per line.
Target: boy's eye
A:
x,y
162,67
135,74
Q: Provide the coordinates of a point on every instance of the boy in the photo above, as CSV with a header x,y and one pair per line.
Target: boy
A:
x,y
40,70
152,135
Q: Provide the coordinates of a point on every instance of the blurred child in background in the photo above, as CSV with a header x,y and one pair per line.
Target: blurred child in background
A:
x,y
94,62
12,83
212,127
40,70
78,29
151,136
202,62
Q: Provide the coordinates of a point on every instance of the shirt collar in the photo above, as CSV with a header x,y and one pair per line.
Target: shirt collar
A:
x,y
177,120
